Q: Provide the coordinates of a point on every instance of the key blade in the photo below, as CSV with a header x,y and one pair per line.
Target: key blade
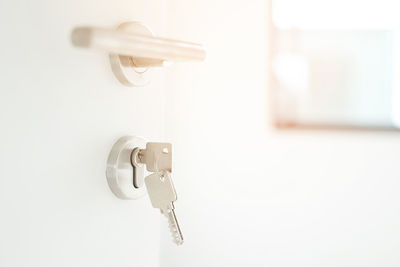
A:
x,y
174,228
161,191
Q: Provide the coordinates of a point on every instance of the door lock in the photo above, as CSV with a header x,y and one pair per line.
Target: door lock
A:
x,y
127,161
126,175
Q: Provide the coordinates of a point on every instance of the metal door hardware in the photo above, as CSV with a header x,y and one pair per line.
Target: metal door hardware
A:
x,y
127,161
156,157
134,48
125,181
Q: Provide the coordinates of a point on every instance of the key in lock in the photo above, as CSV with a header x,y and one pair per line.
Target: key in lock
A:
x,y
125,174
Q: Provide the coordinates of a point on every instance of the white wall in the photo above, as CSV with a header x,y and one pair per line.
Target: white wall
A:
x,y
61,109
251,195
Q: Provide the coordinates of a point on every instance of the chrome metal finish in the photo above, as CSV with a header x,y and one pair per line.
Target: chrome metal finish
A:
x,y
133,49
125,181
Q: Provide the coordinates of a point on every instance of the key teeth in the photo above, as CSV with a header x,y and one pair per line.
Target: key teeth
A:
x,y
176,236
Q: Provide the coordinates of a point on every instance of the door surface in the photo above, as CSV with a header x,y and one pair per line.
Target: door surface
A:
x,y
61,110
250,195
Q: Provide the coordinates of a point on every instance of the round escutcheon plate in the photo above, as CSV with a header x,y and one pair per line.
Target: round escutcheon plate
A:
x,y
123,66
120,173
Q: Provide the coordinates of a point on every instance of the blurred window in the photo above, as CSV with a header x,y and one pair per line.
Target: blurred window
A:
x,y
336,63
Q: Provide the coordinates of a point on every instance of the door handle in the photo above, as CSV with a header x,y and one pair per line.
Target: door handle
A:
x,y
133,45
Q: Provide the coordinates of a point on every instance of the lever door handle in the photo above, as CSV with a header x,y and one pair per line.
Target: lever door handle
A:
x,y
137,45
133,45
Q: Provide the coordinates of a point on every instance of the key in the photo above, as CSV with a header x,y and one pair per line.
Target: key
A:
x,y
157,157
162,195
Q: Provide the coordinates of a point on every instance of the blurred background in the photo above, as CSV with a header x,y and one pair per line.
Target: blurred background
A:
x,y
335,63
281,157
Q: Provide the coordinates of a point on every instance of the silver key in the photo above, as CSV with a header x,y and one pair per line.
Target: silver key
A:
x,y
157,157
162,195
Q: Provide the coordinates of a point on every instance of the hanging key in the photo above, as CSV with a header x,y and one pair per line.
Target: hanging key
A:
x,y
162,195
158,159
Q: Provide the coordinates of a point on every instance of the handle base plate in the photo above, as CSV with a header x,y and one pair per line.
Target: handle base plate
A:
x,y
125,67
120,172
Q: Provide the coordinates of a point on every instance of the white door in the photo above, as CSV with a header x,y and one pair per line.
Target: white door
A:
x,y
250,195
61,110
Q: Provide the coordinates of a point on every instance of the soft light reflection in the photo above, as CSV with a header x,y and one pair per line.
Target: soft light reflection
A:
x,y
339,14
337,62
292,70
